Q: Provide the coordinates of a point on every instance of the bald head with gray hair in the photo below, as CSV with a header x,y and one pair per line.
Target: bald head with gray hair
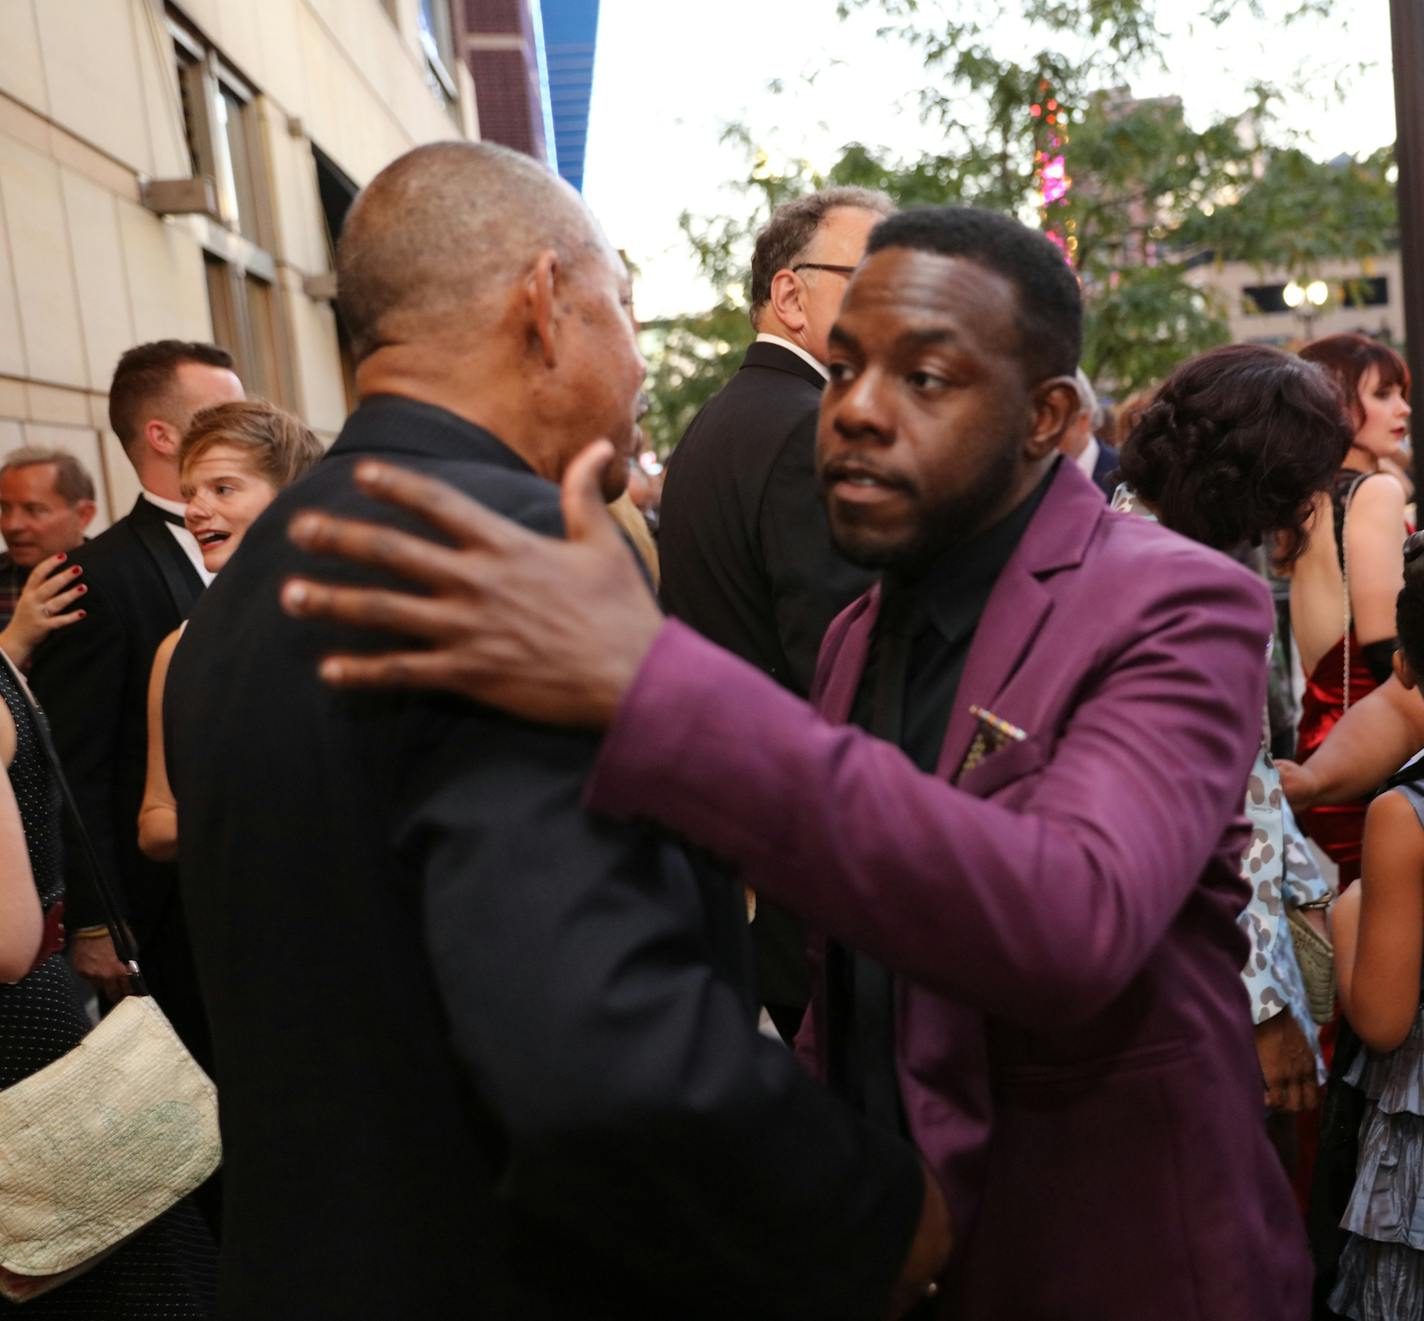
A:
x,y
434,239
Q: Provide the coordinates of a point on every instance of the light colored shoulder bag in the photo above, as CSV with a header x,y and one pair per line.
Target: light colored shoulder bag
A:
x,y
110,1135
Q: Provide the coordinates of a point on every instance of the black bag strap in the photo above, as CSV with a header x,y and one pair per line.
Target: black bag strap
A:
x,y
113,918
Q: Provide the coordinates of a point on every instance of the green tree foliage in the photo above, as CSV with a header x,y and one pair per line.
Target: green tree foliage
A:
x,y
1152,196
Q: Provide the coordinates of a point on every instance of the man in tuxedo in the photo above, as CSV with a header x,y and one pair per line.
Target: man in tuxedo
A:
x,y
1014,812
746,554
46,502
483,1054
144,574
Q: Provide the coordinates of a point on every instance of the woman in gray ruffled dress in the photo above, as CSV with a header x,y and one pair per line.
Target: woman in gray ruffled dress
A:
x,y
1378,927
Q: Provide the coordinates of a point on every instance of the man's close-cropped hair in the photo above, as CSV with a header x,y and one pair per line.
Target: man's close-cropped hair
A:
x,y
146,373
72,482
1234,446
792,227
1050,310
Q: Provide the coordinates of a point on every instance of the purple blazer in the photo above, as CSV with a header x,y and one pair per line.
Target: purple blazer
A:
x,y
1074,1043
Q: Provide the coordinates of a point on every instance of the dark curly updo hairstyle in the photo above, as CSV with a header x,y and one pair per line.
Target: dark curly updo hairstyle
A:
x,y
1234,446
1409,605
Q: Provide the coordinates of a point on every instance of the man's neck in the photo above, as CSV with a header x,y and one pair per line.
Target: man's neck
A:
x,y
162,484
455,389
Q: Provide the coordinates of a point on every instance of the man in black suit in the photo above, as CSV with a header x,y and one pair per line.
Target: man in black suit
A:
x,y
143,573
744,545
482,1054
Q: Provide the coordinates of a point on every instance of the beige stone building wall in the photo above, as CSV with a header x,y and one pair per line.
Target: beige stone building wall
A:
x,y
1227,283
93,106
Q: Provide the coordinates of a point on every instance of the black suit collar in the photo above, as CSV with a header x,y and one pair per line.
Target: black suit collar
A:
x,y
392,424
150,526
761,354
167,515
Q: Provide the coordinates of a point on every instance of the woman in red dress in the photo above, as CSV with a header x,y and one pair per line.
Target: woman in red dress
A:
x,y
1344,586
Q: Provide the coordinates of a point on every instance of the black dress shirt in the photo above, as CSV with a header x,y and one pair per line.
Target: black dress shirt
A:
x,y
922,638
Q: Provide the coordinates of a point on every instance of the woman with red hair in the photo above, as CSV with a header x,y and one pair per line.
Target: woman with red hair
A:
x,y
1344,587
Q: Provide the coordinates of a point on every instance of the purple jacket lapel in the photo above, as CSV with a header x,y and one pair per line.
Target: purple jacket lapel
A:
x,y
1055,539
848,653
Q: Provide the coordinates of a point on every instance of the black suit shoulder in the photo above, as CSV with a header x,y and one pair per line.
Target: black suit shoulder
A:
x,y
112,548
740,431
92,680
745,547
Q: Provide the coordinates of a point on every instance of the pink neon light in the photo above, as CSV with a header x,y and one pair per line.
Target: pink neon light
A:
x,y
1054,186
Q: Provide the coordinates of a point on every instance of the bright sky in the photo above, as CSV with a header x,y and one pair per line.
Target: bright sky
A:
x,y
670,74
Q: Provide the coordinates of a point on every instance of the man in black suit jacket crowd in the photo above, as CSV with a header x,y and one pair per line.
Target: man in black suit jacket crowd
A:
x,y
745,548
143,574
483,1054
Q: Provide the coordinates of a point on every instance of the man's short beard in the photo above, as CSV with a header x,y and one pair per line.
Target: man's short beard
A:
x,y
954,521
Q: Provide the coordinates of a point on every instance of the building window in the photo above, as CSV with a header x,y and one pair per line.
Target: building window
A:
x,y
437,41
1263,299
1365,291
337,191
220,121
220,118
1351,291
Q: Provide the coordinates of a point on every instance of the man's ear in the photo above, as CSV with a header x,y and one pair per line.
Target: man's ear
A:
x,y
1054,404
786,294
1402,671
162,437
85,510
541,304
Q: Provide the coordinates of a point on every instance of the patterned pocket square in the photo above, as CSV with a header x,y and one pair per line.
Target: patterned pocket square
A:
x,y
993,733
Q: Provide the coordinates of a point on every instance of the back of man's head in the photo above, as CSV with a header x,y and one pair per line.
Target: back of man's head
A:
x,y
437,237
145,384
1050,304
793,225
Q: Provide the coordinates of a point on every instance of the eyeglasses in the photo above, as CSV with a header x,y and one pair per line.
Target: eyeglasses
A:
x,y
822,266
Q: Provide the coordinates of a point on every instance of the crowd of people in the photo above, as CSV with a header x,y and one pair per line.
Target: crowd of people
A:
x,y
881,892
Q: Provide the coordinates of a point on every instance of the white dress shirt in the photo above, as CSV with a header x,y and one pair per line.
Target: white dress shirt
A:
x,y
181,534
797,350
1088,459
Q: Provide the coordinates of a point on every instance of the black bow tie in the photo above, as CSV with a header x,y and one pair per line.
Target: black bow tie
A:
x,y
168,516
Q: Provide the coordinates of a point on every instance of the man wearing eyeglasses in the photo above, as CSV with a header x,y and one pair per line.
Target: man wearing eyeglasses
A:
x,y
745,548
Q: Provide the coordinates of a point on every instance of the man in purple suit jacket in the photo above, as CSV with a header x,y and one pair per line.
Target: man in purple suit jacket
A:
x,y
1028,884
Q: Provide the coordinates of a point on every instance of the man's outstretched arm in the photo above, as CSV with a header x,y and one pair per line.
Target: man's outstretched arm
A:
x,y
560,630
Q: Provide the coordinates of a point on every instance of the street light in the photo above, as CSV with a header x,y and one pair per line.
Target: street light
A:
x,y
1306,302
